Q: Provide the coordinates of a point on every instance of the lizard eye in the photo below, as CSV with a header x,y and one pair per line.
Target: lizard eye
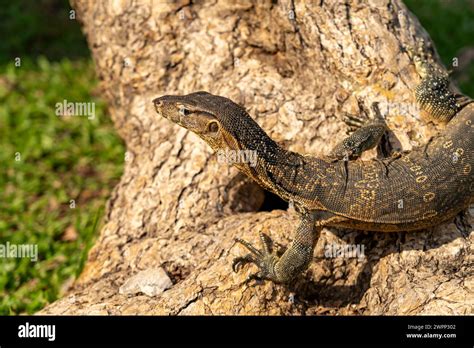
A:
x,y
183,111
213,127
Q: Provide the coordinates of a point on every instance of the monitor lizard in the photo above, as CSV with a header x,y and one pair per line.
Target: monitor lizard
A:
x,y
406,191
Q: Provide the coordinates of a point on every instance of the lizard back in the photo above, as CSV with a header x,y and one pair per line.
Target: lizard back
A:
x,y
420,189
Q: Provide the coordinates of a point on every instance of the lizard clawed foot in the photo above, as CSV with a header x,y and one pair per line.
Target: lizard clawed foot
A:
x,y
264,259
353,121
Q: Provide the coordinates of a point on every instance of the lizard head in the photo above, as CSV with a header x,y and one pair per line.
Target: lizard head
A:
x,y
197,112
220,122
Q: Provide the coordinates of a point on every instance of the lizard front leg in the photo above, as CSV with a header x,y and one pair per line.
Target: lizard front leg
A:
x,y
366,136
433,93
294,261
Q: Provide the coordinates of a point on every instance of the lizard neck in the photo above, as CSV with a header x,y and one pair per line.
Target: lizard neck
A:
x,y
290,175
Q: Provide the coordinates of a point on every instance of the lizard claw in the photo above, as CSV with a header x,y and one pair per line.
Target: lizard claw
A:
x,y
240,261
264,259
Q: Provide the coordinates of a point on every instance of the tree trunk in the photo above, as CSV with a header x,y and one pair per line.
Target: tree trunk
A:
x,y
297,67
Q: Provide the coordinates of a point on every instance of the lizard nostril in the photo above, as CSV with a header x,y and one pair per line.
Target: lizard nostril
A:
x,y
158,105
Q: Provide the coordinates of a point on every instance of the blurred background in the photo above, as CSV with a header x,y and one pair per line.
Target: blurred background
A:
x,y
56,173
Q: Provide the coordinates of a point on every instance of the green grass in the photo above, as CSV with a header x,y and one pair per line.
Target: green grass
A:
x,y
61,159
40,27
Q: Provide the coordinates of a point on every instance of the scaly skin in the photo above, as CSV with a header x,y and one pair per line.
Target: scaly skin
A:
x,y
411,191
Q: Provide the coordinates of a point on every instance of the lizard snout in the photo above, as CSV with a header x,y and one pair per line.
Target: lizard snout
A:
x,y
158,101
158,105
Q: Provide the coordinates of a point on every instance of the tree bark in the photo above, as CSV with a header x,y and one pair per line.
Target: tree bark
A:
x,y
297,67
